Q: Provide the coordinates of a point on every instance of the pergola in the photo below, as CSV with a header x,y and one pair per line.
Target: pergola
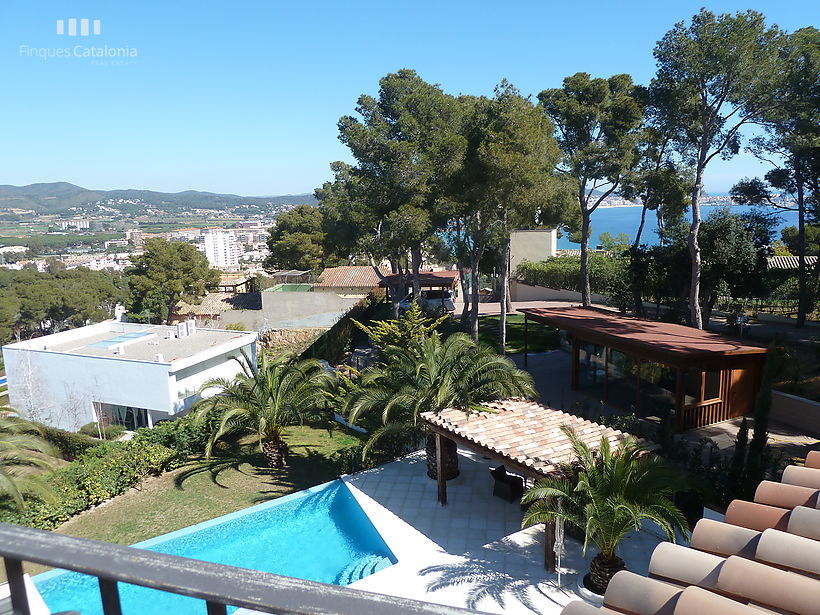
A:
x,y
648,365
524,436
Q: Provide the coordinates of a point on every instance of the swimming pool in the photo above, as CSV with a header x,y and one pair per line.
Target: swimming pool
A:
x,y
320,534
125,337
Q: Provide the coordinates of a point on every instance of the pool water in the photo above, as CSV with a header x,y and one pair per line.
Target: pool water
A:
x,y
125,337
320,534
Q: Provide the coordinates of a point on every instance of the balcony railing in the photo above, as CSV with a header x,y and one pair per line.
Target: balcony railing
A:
x,y
217,585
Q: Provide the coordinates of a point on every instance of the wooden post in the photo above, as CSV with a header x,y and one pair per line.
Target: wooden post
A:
x,y
680,399
549,546
442,481
526,340
575,358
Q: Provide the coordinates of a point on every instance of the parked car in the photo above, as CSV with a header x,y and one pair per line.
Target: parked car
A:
x,y
440,301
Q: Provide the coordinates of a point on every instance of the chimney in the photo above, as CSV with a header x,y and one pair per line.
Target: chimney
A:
x,y
182,330
191,324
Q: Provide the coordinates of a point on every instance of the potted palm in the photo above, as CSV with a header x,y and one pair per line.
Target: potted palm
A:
x,y
430,376
605,494
263,400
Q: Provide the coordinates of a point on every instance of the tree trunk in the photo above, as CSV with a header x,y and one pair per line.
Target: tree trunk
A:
x,y
694,252
504,296
415,257
475,279
462,277
803,296
601,570
585,300
449,456
275,452
637,241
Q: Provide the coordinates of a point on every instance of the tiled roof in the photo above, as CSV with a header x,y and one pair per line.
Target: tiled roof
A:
x,y
350,276
525,432
216,303
789,262
428,279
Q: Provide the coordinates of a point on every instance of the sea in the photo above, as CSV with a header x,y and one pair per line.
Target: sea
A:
x,y
625,219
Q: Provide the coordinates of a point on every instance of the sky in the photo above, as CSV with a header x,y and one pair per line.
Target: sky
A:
x,y
243,97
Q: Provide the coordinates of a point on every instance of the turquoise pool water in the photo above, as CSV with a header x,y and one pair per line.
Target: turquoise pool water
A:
x,y
320,534
125,337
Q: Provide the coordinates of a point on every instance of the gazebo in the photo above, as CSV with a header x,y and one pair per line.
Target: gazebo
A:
x,y
524,436
650,366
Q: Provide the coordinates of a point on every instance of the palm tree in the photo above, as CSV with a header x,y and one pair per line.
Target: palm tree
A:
x,y
22,452
606,494
264,400
433,376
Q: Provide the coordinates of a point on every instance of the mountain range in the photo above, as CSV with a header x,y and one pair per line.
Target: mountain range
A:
x,y
57,197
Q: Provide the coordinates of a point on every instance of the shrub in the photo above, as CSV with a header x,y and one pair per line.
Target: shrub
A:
x,y
606,273
236,326
110,432
181,435
71,445
103,471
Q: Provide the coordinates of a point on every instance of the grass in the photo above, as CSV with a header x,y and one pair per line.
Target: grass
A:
x,y
204,489
541,337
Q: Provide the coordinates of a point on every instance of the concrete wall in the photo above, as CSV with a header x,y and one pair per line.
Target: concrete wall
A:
x,y
186,382
525,292
58,389
303,310
532,245
798,412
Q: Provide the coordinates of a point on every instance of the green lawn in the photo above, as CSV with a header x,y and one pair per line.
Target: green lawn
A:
x,y
541,337
205,489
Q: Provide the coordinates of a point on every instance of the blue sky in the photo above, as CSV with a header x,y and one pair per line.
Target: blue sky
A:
x,y
244,97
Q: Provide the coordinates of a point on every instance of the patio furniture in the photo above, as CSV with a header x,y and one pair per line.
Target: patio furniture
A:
x,y
813,460
507,486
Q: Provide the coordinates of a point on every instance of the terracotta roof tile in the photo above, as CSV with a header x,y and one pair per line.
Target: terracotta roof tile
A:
x,y
524,431
350,276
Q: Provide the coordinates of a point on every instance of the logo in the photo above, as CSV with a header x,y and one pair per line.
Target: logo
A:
x,y
96,27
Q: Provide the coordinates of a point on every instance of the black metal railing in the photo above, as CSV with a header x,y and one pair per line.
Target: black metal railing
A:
x,y
217,585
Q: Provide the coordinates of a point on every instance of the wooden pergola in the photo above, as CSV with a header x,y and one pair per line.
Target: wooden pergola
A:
x,y
714,377
524,436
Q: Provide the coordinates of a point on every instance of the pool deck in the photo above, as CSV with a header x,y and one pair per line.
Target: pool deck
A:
x,y
472,552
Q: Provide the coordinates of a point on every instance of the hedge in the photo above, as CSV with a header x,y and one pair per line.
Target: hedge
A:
x,y
181,435
564,272
110,432
102,472
71,445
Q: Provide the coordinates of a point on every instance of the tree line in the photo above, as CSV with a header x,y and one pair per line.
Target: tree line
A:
x,y
34,303
437,174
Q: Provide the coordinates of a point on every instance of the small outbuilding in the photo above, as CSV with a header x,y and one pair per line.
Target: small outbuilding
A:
x,y
650,367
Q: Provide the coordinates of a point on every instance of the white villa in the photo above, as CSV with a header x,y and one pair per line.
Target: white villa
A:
x,y
129,373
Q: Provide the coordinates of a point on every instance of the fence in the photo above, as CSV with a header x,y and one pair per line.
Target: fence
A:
x,y
217,585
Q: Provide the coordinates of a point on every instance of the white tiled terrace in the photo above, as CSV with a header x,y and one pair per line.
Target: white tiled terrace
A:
x,y
472,552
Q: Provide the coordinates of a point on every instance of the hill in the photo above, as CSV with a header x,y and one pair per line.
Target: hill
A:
x,y
58,197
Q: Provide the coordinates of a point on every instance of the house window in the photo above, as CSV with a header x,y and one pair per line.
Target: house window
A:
x,y
711,385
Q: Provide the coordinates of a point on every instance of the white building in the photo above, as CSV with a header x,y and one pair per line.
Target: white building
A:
x,y
532,245
79,224
127,373
222,250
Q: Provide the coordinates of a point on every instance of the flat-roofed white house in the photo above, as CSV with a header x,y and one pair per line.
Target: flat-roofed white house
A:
x,y
126,373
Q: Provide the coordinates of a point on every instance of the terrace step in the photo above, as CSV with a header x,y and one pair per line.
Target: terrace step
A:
x,y
362,568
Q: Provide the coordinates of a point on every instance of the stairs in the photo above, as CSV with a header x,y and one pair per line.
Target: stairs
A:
x,y
362,568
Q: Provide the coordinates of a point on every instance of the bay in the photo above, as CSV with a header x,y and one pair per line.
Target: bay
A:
x,y
614,220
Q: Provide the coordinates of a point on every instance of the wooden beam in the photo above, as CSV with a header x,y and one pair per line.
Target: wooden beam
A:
x,y
526,341
549,546
680,399
442,481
